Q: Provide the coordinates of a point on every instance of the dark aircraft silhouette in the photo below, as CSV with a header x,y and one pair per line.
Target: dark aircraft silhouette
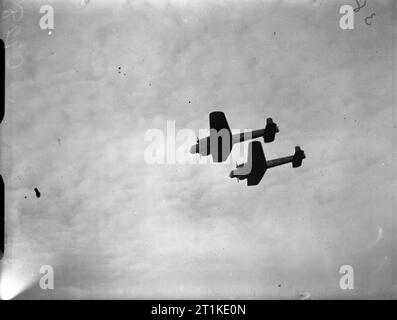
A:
x,y
255,168
220,141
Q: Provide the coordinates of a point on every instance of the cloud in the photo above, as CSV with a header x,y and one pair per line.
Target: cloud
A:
x,y
116,227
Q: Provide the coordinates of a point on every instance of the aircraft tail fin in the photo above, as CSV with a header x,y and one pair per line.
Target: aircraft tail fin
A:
x,y
270,130
298,157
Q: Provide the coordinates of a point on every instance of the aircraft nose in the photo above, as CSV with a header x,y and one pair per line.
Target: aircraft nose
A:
x,y
193,149
231,174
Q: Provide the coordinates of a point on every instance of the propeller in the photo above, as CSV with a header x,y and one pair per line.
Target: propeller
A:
x,y
197,141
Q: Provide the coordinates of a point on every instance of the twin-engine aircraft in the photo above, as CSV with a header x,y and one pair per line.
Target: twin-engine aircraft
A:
x,y
220,142
255,168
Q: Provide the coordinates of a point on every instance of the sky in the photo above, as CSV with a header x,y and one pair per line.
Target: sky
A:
x,y
80,100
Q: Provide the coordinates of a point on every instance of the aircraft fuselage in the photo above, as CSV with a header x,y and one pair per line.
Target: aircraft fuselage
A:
x,y
203,147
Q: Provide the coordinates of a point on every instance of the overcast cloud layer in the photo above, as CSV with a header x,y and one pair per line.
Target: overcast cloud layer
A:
x,y
113,226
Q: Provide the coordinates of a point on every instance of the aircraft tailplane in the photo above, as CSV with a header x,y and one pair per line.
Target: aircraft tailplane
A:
x,y
298,157
270,130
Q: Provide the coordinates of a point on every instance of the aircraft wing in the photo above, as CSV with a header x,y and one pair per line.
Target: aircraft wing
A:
x,y
254,180
218,121
256,157
221,154
257,161
221,139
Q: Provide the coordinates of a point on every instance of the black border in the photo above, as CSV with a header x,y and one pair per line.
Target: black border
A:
x,y
2,111
255,309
